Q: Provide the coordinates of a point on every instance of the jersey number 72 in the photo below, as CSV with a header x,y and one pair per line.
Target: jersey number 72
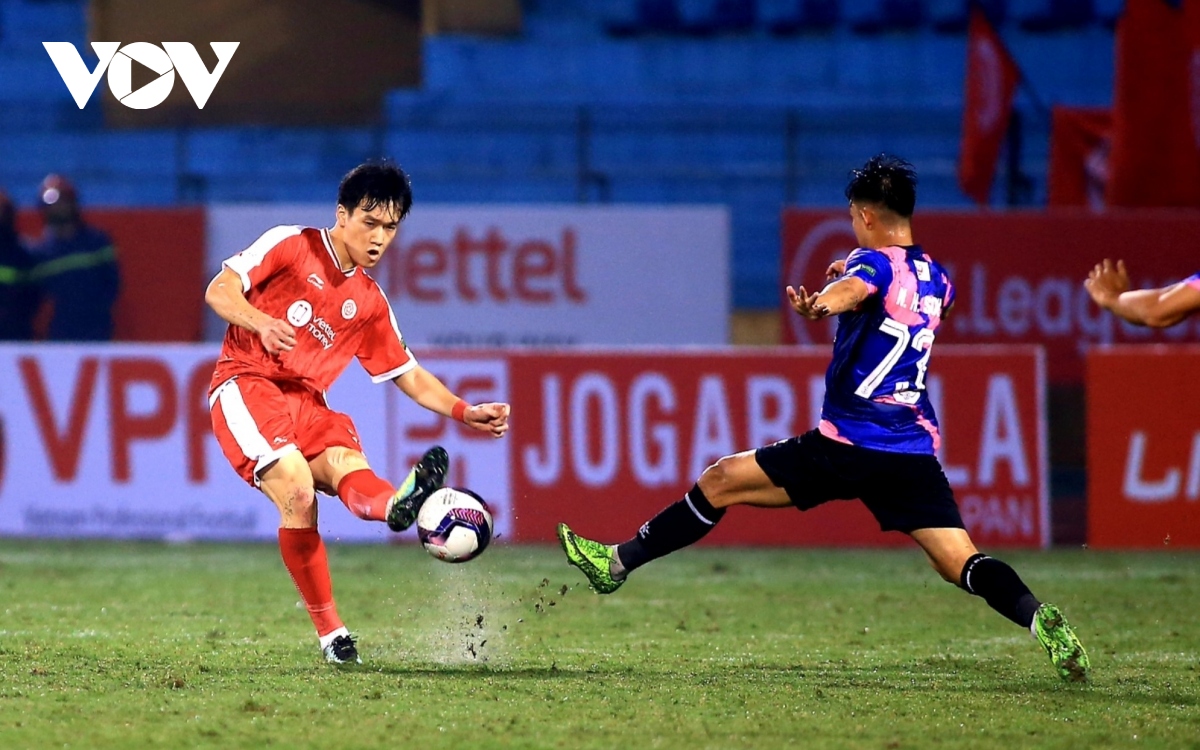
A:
x,y
922,342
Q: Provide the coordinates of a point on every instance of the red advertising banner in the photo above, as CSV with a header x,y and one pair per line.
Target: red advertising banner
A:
x,y
1143,435
1019,275
605,439
160,253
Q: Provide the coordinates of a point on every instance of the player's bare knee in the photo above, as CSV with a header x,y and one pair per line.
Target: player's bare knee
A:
x,y
334,463
302,497
718,483
298,506
344,459
289,485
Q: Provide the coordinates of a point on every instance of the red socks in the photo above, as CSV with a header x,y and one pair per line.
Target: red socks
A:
x,y
365,494
304,556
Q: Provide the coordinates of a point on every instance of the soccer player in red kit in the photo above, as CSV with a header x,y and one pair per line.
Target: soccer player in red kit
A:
x,y
300,306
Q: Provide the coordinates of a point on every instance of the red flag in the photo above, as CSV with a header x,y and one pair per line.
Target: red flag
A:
x,y
1192,29
1156,106
992,78
1080,139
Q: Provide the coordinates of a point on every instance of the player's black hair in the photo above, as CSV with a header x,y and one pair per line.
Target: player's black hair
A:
x,y
887,181
375,184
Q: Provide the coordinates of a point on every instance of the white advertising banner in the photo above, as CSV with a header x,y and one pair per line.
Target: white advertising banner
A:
x,y
116,441
494,275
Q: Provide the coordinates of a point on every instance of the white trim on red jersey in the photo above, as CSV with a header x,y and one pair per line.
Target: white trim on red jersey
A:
x,y
412,361
328,242
245,430
393,374
251,257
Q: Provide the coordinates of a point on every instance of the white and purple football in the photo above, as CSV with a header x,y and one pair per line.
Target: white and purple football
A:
x,y
454,525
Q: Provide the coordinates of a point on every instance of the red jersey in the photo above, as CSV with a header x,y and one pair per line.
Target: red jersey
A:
x,y
292,273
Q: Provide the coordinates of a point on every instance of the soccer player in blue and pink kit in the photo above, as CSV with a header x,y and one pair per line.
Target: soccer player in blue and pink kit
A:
x,y
878,434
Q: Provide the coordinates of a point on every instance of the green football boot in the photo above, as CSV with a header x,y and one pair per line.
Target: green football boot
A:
x,y
593,558
426,477
1061,643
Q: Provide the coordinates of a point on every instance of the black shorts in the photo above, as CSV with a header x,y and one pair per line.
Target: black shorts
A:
x,y
904,491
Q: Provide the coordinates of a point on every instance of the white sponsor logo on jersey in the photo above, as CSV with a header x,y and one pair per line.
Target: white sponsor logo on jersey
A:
x,y
316,281
299,313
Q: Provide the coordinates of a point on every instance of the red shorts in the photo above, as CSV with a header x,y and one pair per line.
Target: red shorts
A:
x,y
257,420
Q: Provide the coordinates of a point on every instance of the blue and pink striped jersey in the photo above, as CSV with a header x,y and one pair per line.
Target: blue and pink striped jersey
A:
x,y
875,386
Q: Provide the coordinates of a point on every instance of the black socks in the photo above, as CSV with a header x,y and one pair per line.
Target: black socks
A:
x,y
687,521
1001,588
678,525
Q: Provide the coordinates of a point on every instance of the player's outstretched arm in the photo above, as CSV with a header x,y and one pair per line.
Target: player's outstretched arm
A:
x,y
1108,285
423,387
835,299
224,295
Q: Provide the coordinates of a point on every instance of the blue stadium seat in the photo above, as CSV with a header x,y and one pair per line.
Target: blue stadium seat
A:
x,y
1108,11
1052,15
797,16
706,17
620,17
659,16
697,17
951,16
27,24
879,16
734,15
632,17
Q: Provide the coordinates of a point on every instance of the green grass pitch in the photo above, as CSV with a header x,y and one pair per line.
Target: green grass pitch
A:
x,y
146,645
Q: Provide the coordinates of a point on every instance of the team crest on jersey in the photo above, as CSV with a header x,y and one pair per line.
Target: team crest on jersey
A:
x,y
922,270
299,313
349,309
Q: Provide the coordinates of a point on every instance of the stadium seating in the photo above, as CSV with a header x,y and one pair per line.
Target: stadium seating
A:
x,y
875,16
1107,11
1052,15
950,16
750,104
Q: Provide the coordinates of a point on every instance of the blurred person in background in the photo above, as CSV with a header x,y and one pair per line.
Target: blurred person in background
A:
x,y
18,296
1108,283
75,267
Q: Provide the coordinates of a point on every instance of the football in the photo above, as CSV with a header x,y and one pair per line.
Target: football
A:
x,y
454,525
